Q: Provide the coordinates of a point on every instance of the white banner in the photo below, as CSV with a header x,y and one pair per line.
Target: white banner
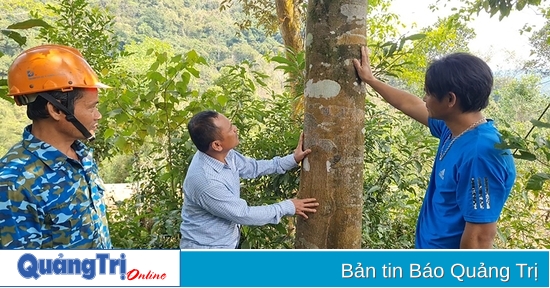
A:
x,y
59,268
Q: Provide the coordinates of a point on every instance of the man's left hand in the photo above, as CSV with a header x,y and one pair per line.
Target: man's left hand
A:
x,y
299,152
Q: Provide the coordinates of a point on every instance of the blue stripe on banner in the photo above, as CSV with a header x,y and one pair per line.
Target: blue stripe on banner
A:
x,y
364,268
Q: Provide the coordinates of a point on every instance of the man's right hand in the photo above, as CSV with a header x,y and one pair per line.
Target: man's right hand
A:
x,y
363,68
305,205
411,105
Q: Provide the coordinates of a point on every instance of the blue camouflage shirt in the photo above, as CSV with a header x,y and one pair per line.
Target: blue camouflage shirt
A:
x,y
48,200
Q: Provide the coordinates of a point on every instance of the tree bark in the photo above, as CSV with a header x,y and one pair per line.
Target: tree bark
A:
x,y
290,26
290,23
333,125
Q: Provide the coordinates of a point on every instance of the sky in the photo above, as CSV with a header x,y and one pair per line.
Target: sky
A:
x,y
498,42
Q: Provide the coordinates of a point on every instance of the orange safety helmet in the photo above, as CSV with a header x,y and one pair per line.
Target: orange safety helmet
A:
x,y
50,67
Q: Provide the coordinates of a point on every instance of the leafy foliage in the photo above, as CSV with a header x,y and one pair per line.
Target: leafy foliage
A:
x,y
524,220
502,7
11,33
540,51
257,11
394,165
144,139
85,28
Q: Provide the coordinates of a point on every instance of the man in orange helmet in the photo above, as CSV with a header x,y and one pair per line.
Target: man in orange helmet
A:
x,y
51,195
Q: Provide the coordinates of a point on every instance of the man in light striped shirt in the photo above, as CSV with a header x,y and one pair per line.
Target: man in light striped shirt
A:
x,y
213,209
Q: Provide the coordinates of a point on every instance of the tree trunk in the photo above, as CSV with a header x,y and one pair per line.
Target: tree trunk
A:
x,y
290,26
333,125
290,23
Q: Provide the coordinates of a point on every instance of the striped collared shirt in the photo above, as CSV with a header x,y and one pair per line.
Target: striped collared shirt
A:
x,y
213,209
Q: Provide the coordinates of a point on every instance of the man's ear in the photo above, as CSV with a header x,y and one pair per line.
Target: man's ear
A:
x,y
216,145
55,113
452,99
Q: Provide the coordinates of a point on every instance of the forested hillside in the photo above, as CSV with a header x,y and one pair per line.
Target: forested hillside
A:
x,y
184,25
172,26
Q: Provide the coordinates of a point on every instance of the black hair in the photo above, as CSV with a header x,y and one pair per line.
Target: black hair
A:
x,y
37,109
202,129
463,74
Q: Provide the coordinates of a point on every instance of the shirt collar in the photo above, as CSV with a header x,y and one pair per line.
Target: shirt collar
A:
x,y
212,162
52,157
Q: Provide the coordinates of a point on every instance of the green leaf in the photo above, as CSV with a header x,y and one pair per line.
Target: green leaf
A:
x,y
415,37
389,43
280,59
165,176
193,56
373,189
156,76
520,5
544,176
21,40
393,47
193,71
536,181
115,112
177,58
541,124
222,99
281,228
120,142
524,155
31,23
3,93
185,77
108,133
503,146
151,130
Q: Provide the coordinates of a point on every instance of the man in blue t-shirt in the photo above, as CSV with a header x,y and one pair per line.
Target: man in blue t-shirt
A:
x,y
471,179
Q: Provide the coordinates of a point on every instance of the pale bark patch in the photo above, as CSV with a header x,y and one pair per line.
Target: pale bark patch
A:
x,y
305,164
322,89
353,12
309,39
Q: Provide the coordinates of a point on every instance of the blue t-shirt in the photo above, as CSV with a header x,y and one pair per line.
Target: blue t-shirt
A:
x,y
469,184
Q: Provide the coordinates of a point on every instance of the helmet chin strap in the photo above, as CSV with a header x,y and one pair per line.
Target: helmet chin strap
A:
x,y
69,115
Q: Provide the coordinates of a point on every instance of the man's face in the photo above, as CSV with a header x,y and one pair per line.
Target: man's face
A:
x,y
85,110
229,137
435,107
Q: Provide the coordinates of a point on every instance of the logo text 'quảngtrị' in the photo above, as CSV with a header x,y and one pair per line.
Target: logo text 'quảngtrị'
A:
x,y
31,267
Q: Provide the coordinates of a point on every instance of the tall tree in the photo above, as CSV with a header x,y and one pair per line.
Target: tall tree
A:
x,y
285,16
289,14
333,125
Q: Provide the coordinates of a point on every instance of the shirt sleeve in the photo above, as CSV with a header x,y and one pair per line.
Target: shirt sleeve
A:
x,y
251,168
219,201
436,127
481,191
19,220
